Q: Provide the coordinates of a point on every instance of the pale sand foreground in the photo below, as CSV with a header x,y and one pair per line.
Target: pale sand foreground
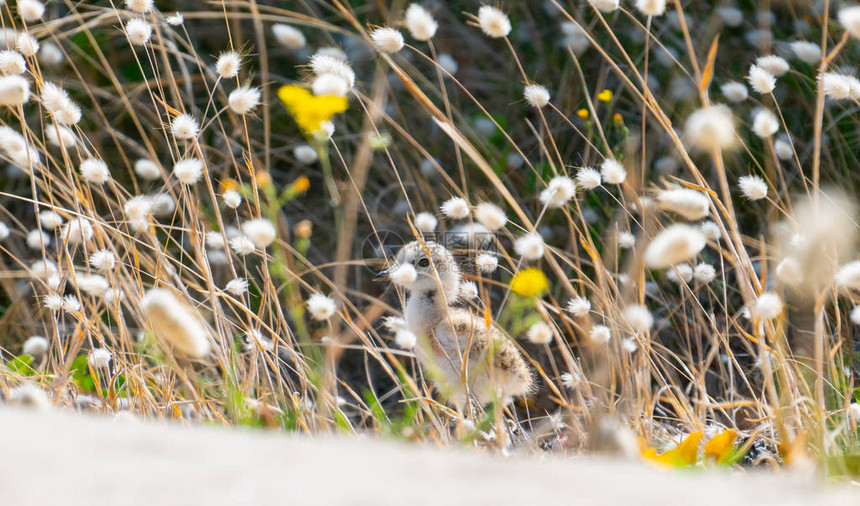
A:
x,y
66,459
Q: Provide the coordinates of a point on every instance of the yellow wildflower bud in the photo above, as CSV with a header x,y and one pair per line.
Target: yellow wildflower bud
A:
x,y
605,96
583,114
529,282
301,184
263,179
229,184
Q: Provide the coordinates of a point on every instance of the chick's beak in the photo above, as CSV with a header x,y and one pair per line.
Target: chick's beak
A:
x,y
383,273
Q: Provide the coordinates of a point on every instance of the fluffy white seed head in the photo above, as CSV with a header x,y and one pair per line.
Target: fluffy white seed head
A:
x,y
686,202
188,171
675,244
77,231
94,171
768,306
734,91
704,273
99,358
456,208
330,84
387,40
490,216
783,149
321,307
71,304
612,171
765,123
138,31
651,7
237,286
141,6
530,246
558,192
761,80
849,18
776,65
26,44
807,52
579,307
243,99
588,178
468,290
12,63
426,222
540,333
147,169
174,323
260,231
405,339
37,239
14,90
420,23
711,128
288,36
848,276
493,22
184,126
536,95
323,63
600,334
31,10
50,220
51,55
60,136
92,284
626,240
103,260
605,5
4,231
854,316
753,187
228,64
638,318
242,246
232,199
680,274
36,346
305,154
836,86
487,263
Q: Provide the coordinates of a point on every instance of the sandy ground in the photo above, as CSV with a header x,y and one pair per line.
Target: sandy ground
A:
x,y
68,459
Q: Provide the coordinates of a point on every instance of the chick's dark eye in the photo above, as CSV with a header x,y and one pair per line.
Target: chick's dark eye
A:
x,y
423,262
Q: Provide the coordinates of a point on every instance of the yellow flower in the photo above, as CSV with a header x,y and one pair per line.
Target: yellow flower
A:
x,y
721,446
529,283
301,184
309,110
617,118
685,454
263,179
605,96
229,184
583,114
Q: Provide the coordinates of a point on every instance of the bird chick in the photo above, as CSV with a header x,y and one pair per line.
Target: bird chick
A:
x,y
451,336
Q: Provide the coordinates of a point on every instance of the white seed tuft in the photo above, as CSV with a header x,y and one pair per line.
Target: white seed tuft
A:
x,y
490,216
420,23
387,40
530,246
184,126
540,333
243,99
753,187
456,208
138,31
536,95
768,306
688,203
174,323
711,128
558,192
426,222
14,90
761,80
288,36
675,244
612,171
321,307
493,22
94,171
228,64
188,171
